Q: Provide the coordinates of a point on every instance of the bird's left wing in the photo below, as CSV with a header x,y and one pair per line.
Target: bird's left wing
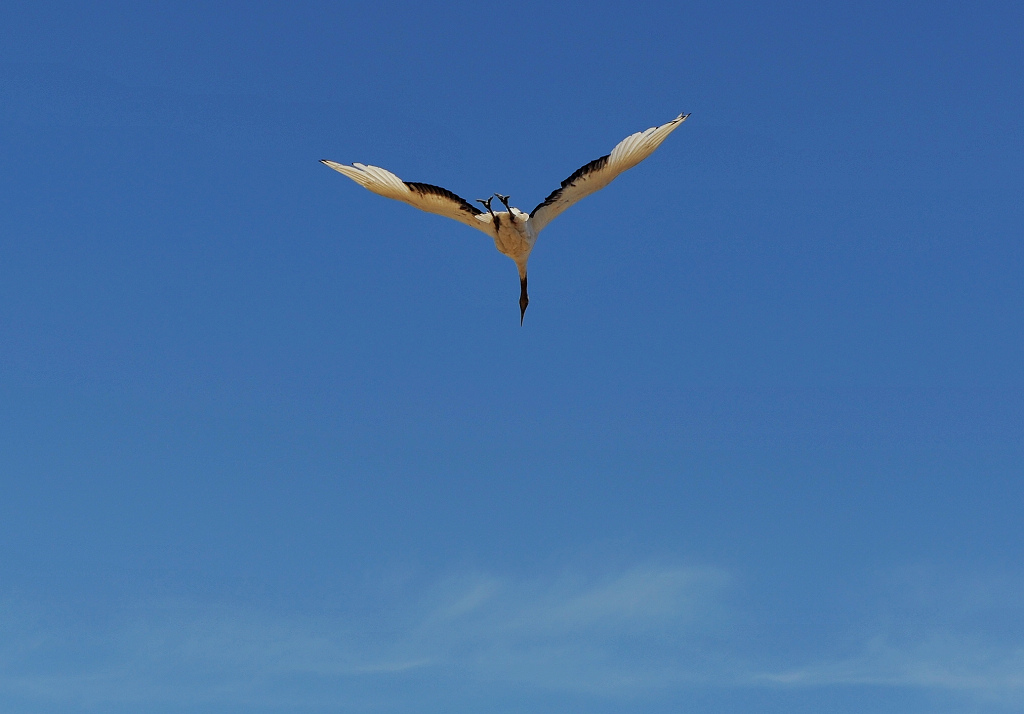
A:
x,y
600,172
423,196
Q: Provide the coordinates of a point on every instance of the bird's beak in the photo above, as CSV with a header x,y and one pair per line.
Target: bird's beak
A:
x,y
524,299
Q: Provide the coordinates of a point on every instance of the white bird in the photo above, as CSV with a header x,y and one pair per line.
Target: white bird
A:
x,y
514,232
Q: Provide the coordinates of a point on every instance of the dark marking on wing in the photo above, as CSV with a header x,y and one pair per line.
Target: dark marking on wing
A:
x,y
430,189
595,165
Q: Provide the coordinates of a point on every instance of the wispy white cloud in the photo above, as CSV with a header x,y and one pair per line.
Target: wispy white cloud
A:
x,y
643,626
621,630
955,634
642,631
981,671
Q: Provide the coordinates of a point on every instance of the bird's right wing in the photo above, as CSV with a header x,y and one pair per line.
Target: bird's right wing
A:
x,y
600,172
424,196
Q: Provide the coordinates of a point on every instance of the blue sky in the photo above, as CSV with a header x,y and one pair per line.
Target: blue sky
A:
x,y
272,443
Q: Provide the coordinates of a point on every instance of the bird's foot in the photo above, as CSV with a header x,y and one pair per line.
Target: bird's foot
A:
x,y
487,204
504,200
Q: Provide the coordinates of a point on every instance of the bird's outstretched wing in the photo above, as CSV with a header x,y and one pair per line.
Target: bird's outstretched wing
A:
x,y
600,172
423,196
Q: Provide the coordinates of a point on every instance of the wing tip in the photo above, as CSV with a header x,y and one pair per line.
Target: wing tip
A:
x,y
347,169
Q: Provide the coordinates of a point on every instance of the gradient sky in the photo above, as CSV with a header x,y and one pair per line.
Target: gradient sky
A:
x,y
271,443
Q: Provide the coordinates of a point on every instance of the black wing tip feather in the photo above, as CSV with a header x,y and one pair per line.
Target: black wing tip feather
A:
x,y
431,189
595,165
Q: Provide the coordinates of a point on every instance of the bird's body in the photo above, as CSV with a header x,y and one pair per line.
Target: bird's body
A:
x,y
514,231
514,236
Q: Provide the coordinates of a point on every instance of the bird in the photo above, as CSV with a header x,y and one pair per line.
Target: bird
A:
x,y
513,230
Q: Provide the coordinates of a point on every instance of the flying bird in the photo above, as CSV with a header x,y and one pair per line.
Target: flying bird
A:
x,y
514,232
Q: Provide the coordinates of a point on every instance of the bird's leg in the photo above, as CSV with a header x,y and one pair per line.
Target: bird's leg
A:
x,y
524,299
504,199
487,204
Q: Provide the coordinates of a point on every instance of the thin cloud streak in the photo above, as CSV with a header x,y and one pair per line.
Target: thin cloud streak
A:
x,y
572,633
636,633
644,627
957,666
935,633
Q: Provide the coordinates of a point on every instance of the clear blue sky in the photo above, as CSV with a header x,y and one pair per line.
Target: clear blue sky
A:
x,y
271,443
